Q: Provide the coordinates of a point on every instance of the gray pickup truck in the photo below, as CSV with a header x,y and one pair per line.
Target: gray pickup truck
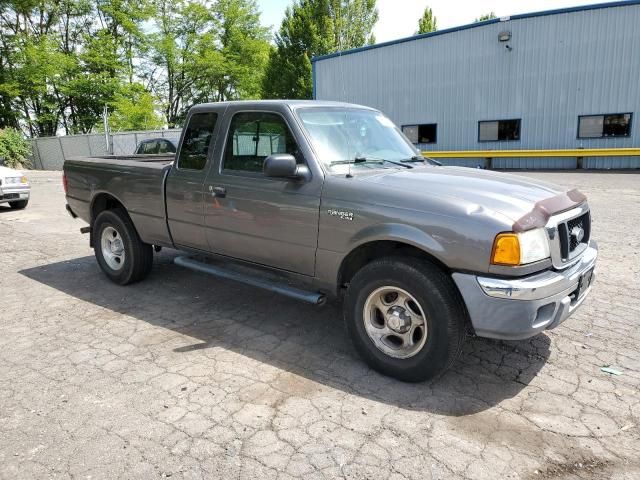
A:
x,y
320,200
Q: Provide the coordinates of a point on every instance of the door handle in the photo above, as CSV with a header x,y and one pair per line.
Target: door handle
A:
x,y
219,192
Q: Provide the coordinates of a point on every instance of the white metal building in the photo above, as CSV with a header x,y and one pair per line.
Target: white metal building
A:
x,y
561,79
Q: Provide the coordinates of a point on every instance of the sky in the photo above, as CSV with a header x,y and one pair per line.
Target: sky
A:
x,y
399,18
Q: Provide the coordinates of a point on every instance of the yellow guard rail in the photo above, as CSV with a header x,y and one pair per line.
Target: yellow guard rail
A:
x,y
580,152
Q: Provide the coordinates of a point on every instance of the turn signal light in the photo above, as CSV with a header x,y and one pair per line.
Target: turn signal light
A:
x,y
24,180
506,249
522,248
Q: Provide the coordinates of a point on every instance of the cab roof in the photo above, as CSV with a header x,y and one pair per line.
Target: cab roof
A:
x,y
292,104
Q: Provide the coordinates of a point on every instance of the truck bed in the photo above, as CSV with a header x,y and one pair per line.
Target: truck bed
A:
x,y
136,181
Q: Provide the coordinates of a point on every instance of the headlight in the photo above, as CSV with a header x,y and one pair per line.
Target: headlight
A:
x,y
520,248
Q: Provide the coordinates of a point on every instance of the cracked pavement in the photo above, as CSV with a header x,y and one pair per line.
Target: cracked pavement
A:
x,y
187,376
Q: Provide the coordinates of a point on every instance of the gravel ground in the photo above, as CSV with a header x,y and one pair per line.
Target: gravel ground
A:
x,y
187,376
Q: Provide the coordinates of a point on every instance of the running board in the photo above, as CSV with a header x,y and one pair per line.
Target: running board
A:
x,y
315,298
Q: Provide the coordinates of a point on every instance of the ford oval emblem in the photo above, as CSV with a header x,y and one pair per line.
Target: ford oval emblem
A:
x,y
577,233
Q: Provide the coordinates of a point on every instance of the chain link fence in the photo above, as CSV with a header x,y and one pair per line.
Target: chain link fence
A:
x,y
49,153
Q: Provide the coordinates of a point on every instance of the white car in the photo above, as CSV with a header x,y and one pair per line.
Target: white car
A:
x,y
14,188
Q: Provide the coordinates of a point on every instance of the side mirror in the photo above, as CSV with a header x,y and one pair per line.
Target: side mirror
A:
x,y
283,165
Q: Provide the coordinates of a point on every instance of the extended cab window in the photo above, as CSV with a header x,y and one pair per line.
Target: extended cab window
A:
x,y
197,138
253,136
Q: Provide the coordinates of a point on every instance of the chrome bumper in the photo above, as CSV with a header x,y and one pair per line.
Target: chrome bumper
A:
x,y
11,193
522,307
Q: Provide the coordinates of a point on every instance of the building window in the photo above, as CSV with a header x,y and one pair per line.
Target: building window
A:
x,y
607,125
499,130
425,133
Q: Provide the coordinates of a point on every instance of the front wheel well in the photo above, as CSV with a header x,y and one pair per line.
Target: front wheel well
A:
x,y
368,252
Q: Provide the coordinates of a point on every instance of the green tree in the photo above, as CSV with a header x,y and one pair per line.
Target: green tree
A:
x,y
38,69
123,21
178,26
485,17
243,51
206,53
311,28
62,60
353,22
15,150
428,22
93,80
9,116
134,108
106,70
32,63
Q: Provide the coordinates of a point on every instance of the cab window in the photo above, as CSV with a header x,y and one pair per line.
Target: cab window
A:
x,y
165,146
152,148
148,148
253,136
197,138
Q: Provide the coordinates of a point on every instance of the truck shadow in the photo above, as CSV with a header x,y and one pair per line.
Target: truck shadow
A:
x,y
301,339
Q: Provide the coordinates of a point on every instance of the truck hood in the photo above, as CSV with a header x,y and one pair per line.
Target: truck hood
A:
x,y
510,195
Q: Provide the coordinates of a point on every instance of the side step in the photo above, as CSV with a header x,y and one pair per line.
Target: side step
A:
x,y
315,298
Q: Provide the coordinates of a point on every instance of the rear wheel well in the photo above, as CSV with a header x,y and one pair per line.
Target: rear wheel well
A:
x,y
364,254
103,202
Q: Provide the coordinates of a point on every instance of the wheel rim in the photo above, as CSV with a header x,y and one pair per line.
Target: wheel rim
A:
x,y
112,248
395,322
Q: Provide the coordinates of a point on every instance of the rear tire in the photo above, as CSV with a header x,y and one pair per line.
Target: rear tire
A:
x,y
405,318
122,256
19,205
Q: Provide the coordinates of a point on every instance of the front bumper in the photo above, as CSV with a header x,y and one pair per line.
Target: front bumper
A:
x,y
10,193
513,309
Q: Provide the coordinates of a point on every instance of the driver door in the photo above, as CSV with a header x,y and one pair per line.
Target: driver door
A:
x,y
269,221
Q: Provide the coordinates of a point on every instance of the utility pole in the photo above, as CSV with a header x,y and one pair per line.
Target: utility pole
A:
x,y
107,136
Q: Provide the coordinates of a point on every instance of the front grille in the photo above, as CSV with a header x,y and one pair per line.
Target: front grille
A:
x,y
9,196
573,234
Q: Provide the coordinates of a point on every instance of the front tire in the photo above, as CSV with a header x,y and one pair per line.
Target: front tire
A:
x,y
122,256
19,205
405,318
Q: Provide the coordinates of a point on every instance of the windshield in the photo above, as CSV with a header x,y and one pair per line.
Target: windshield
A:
x,y
343,138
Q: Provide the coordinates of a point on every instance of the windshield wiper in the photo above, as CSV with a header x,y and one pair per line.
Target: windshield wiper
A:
x,y
370,160
379,160
420,158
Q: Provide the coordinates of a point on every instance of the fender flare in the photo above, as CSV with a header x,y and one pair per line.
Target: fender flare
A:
x,y
397,232
392,232
99,193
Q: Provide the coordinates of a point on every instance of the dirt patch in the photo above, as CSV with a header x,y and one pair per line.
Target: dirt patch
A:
x,y
587,468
